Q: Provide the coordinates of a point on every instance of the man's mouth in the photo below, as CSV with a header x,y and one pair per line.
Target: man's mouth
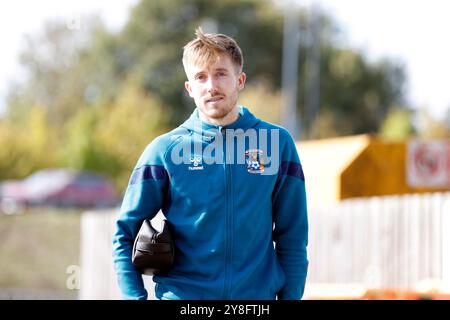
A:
x,y
214,99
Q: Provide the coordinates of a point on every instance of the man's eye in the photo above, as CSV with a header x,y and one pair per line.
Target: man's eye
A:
x,y
221,74
200,77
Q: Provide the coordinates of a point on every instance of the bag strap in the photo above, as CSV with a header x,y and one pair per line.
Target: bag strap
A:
x,y
153,247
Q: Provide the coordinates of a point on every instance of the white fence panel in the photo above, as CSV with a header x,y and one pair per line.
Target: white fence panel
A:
x,y
98,278
378,242
381,242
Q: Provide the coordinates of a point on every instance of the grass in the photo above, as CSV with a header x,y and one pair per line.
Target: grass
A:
x,y
37,247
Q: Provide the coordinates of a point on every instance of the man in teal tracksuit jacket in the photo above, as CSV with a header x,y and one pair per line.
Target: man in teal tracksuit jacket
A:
x,y
231,186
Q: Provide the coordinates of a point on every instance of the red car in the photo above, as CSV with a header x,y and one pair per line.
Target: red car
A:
x,y
58,188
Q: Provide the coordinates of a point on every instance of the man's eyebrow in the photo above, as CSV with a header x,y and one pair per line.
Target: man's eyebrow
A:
x,y
215,70
199,72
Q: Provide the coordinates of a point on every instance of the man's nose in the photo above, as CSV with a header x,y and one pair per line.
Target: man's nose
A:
x,y
211,84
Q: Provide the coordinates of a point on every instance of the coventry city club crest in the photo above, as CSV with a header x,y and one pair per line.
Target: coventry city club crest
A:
x,y
254,160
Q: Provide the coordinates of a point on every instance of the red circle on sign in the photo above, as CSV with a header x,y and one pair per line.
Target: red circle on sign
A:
x,y
426,161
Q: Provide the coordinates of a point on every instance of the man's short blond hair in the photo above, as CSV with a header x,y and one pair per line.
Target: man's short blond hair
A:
x,y
204,49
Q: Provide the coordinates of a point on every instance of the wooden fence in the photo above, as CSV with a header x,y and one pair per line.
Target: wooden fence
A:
x,y
379,242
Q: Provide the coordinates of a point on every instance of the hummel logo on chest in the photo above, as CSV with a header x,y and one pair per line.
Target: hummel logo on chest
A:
x,y
195,161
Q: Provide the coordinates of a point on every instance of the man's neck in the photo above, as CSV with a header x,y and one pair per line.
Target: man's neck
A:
x,y
231,117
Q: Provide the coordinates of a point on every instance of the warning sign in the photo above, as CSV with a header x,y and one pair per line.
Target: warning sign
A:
x,y
428,164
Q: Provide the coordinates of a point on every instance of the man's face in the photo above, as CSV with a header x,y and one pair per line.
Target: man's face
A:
x,y
215,87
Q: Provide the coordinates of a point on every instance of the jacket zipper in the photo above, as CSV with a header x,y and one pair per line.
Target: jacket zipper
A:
x,y
228,222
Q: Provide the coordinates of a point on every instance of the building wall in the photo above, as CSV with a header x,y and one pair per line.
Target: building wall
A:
x,y
323,162
380,169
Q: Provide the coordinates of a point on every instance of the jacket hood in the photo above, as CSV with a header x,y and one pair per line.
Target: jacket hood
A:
x,y
245,121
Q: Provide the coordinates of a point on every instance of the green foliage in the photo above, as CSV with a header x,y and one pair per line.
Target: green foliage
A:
x,y
324,125
109,138
156,32
81,150
66,70
428,127
149,49
27,146
262,102
127,126
101,93
397,125
356,93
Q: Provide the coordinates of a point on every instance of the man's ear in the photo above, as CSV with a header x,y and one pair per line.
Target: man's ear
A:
x,y
188,88
241,80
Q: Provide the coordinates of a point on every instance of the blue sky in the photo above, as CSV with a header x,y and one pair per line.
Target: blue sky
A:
x,y
413,31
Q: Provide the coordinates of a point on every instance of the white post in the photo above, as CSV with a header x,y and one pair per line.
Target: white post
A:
x,y
445,231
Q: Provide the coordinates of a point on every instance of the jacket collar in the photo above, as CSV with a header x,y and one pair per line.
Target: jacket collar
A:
x,y
245,121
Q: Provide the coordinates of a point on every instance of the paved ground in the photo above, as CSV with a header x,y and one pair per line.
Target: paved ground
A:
x,y
35,294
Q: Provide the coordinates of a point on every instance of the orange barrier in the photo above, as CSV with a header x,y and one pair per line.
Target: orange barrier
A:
x,y
393,294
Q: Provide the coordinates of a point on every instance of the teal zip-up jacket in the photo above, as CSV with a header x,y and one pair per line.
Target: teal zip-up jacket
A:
x,y
240,223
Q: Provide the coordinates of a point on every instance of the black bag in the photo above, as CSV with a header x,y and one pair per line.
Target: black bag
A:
x,y
153,251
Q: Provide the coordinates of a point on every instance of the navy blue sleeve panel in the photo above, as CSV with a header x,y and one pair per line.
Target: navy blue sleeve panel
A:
x,y
291,221
144,197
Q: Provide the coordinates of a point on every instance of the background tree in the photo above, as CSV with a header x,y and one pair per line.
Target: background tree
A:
x,y
27,146
106,95
429,127
149,48
153,38
398,125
